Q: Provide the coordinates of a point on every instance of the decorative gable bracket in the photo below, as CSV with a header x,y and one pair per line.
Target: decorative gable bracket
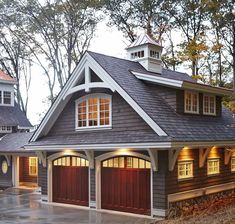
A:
x,y
42,158
88,83
153,154
203,153
90,157
227,155
172,157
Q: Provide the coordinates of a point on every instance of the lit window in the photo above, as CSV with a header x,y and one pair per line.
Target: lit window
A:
x,y
33,166
233,164
154,54
185,169
138,54
213,166
4,167
94,111
5,129
209,104
191,102
71,161
127,162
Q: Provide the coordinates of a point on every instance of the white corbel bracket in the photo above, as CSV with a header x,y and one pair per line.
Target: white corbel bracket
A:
x,y
90,157
172,157
203,153
227,156
8,159
42,158
153,154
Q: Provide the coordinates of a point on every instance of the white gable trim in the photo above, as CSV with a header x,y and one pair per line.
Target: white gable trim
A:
x,y
160,80
59,104
182,84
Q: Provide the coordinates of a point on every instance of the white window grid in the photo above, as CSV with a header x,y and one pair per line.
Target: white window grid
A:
x,y
100,117
185,169
213,166
209,104
233,164
5,129
5,97
191,102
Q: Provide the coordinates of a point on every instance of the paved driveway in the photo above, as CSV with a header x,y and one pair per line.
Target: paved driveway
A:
x,y
24,206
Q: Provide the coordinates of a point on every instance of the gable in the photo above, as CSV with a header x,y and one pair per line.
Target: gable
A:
x,y
87,64
124,118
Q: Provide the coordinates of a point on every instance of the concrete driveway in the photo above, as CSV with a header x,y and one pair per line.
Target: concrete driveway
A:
x,y
24,206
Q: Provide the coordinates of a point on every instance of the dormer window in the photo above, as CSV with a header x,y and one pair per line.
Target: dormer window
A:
x,y
154,54
209,104
137,54
93,111
191,102
5,98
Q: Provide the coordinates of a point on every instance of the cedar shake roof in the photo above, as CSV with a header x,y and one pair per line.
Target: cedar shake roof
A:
x,y
14,142
13,116
5,77
180,127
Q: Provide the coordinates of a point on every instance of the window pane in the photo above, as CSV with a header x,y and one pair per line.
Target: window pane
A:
x,y
185,169
74,161
115,162
148,165
141,163
83,162
129,162
110,162
121,162
6,97
135,163
105,163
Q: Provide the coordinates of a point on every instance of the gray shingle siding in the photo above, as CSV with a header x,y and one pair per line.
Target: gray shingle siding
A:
x,y
42,178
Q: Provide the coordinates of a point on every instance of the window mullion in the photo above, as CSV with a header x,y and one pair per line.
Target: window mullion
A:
x,y
87,114
98,111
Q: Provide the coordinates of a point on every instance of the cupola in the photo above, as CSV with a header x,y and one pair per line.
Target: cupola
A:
x,y
147,52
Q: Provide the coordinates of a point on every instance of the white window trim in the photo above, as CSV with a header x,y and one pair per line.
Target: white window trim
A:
x,y
98,127
180,162
189,111
31,174
208,113
2,98
232,158
214,173
5,131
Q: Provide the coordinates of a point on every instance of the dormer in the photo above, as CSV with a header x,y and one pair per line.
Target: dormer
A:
x,y
147,52
6,89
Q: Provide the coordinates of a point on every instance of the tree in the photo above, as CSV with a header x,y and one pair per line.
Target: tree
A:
x,y
14,57
131,15
190,16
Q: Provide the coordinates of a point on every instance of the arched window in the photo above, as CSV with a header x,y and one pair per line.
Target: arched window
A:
x,y
71,161
93,110
126,162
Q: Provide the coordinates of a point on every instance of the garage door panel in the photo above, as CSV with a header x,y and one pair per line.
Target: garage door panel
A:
x,y
70,183
125,189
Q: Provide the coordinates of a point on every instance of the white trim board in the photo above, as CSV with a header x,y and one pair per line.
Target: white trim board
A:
x,y
59,104
182,84
100,147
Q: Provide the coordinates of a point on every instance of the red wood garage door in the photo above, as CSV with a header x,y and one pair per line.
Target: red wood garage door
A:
x,y
70,180
125,185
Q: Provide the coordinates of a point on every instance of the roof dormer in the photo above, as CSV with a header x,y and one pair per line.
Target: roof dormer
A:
x,y
6,89
147,52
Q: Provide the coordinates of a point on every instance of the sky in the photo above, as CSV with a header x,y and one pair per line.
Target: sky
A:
x,y
107,41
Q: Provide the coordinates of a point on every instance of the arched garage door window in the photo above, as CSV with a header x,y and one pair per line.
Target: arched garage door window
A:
x,y
71,161
127,162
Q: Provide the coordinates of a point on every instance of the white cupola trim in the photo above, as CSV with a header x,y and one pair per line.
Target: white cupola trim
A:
x,y
147,52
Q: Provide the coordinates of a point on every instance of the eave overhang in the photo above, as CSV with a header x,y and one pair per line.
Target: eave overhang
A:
x,y
182,84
